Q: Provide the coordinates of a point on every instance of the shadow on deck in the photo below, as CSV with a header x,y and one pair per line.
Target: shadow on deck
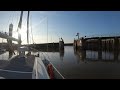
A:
x,y
17,68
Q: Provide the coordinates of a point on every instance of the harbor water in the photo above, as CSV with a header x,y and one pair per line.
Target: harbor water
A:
x,y
76,64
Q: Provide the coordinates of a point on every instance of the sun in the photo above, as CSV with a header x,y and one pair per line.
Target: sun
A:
x,y
23,32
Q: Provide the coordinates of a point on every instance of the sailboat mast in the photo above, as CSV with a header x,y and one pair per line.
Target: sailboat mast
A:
x,y
28,27
19,27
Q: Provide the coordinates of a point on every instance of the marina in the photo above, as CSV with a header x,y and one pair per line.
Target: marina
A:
x,y
25,64
31,51
70,63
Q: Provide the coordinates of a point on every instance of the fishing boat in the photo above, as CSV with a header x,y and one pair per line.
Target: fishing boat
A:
x,y
26,65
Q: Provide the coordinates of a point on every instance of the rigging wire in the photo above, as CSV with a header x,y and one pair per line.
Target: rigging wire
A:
x,y
28,28
17,21
47,33
5,27
31,28
47,45
40,21
47,41
8,22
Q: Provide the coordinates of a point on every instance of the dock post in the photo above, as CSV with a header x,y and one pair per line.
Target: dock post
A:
x,y
99,49
116,45
83,44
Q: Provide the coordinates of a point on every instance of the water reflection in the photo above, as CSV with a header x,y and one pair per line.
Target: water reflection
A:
x,y
61,52
116,54
3,62
87,64
80,54
89,55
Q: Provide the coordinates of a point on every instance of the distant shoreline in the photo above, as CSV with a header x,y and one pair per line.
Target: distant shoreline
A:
x,y
68,44
65,44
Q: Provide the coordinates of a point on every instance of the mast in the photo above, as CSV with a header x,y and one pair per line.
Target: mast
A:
x,y
28,27
19,27
18,30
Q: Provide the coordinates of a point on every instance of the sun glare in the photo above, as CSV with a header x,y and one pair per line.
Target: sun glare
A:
x,y
23,33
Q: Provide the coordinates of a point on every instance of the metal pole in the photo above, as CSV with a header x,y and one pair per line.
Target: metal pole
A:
x,y
28,28
47,33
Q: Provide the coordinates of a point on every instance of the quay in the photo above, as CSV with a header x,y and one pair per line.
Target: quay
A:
x,y
111,43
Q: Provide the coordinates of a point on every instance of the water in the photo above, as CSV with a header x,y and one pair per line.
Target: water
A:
x,y
74,64
5,58
6,55
85,65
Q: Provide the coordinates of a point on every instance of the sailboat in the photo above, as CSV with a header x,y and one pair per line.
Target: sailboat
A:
x,y
28,66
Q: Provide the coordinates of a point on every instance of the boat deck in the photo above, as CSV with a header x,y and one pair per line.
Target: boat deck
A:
x,y
17,68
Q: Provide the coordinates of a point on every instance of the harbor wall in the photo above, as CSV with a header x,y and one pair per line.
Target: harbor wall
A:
x,y
97,44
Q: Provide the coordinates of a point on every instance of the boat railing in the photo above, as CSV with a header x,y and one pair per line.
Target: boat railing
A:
x,y
58,75
39,70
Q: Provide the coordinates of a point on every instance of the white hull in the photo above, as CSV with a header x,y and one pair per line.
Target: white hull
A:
x,y
39,70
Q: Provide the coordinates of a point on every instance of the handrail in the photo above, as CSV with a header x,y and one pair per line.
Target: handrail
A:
x,y
39,70
57,71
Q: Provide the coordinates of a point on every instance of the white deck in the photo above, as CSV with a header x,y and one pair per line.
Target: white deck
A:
x,y
39,70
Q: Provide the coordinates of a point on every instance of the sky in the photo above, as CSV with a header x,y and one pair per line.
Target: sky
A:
x,y
49,26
